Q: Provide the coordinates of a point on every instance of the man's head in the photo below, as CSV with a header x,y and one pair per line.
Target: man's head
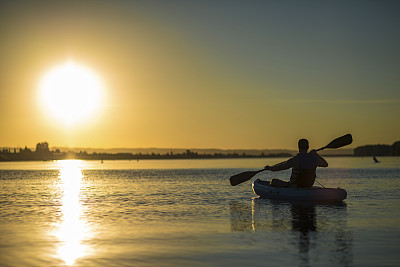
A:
x,y
303,145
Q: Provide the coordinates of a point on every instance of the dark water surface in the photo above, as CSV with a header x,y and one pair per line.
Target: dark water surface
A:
x,y
180,213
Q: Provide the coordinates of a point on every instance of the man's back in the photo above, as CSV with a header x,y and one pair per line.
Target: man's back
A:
x,y
303,171
305,161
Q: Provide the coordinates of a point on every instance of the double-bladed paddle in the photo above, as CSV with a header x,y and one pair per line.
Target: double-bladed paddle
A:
x,y
245,176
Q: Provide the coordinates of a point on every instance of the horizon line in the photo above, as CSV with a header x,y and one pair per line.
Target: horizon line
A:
x,y
164,148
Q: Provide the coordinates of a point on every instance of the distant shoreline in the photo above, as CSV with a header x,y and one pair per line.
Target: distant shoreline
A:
x,y
43,153
113,157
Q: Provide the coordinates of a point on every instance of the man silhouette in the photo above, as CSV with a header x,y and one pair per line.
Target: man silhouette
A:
x,y
303,166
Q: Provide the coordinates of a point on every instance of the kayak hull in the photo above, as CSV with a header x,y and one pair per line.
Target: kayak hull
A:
x,y
264,190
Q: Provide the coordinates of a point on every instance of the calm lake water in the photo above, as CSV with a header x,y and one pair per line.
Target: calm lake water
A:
x,y
185,213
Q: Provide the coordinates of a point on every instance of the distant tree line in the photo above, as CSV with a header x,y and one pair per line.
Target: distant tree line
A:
x,y
25,154
378,150
43,152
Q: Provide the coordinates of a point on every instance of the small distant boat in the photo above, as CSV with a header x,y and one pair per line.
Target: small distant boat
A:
x,y
316,193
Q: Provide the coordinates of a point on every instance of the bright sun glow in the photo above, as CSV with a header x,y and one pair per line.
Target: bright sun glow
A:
x,y
71,93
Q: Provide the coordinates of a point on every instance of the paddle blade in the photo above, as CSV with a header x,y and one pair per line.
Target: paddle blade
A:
x,y
341,141
242,177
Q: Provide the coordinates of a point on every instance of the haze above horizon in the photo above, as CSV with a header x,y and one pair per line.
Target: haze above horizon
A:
x,y
223,74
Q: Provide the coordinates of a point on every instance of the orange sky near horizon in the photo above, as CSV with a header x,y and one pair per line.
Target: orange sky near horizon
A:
x,y
205,74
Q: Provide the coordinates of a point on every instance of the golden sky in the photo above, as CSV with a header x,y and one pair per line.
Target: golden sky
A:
x,y
205,74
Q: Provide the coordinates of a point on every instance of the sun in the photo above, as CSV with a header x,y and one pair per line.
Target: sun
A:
x,y
71,93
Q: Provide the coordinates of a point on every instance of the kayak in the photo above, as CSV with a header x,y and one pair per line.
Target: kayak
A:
x,y
316,193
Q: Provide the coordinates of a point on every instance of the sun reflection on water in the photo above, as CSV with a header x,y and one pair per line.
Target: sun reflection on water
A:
x,y
73,229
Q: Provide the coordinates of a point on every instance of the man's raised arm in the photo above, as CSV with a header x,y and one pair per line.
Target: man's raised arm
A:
x,y
281,166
